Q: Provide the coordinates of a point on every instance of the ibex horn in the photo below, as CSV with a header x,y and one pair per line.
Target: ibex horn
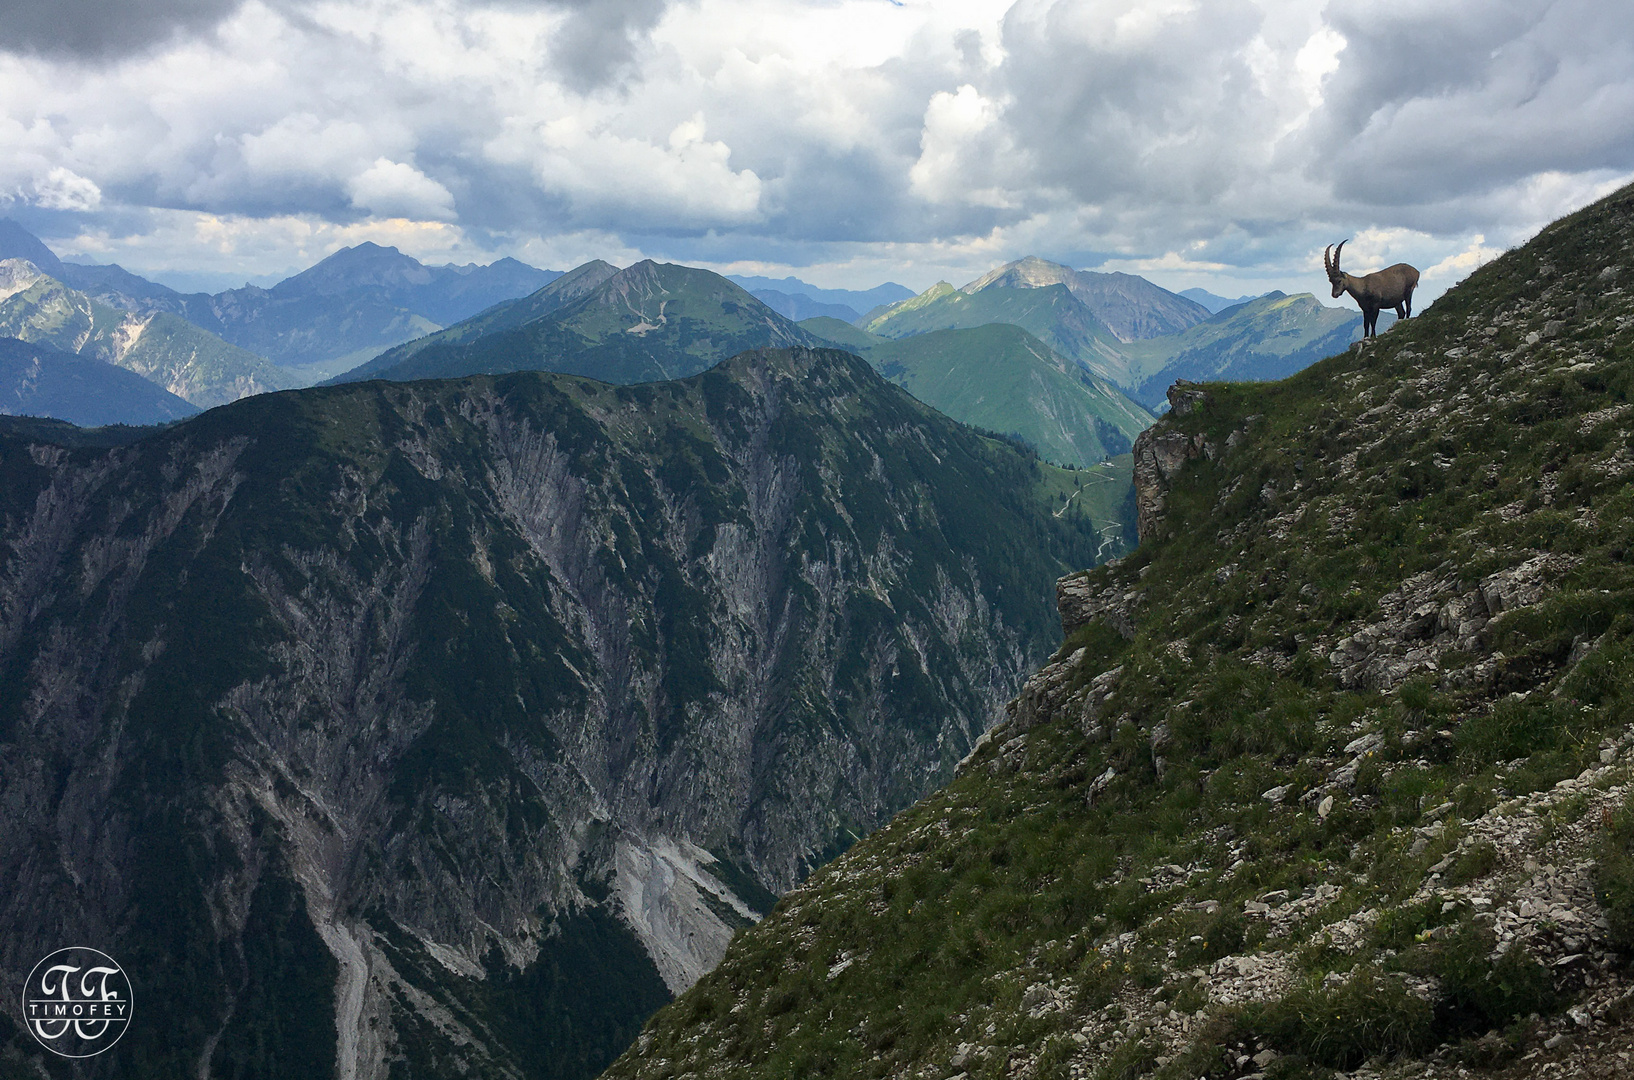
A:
x,y
1327,259
1339,251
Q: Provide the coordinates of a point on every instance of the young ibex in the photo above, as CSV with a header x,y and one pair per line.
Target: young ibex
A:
x,y
1390,287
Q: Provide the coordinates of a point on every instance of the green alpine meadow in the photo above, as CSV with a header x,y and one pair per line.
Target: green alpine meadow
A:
x,y
1333,775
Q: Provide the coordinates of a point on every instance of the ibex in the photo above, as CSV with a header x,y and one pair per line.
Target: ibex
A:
x,y
1390,287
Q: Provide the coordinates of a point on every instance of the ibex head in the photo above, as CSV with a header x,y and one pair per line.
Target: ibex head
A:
x,y
1335,276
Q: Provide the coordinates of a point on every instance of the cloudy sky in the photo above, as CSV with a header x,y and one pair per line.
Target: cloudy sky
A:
x,y
1218,143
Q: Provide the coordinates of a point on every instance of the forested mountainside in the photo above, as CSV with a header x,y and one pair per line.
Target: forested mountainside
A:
x,y
1333,774
447,729
37,380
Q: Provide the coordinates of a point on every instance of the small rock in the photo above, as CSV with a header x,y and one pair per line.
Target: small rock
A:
x,y
1265,1057
1276,794
1364,745
1554,1041
1325,807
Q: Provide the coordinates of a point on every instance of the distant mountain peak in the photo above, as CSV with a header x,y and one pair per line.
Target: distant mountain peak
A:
x,y
364,264
1130,306
17,242
1026,273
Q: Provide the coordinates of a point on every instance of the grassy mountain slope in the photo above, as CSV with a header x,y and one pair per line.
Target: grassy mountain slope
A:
x,y
37,380
1337,767
1130,306
466,719
1270,337
571,286
162,348
1050,313
647,321
1001,378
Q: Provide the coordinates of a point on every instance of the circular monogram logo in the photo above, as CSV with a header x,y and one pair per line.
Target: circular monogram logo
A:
x,y
77,1002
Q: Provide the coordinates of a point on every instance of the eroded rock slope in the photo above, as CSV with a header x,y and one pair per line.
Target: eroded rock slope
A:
x,y
450,728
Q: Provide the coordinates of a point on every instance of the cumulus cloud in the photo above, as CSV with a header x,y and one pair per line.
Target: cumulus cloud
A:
x,y
845,139
64,189
392,189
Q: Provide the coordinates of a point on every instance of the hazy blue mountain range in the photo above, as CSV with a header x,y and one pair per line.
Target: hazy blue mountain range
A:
x,y
350,306
797,306
648,321
1214,303
1267,338
38,380
861,300
1002,378
1263,338
162,348
447,729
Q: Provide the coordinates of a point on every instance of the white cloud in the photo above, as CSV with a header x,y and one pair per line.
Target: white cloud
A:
x,y
64,189
392,189
843,138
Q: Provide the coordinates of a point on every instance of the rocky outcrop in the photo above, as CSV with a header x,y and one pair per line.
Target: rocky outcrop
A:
x,y
1079,601
1160,453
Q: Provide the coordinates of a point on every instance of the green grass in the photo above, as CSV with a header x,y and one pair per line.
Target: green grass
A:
x,y
1308,509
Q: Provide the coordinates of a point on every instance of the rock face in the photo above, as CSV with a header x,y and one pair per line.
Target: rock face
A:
x,y
452,728
1160,452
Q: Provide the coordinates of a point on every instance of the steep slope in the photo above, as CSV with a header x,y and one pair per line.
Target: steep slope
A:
x,y
647,321
37,380
465,720
1267,338
17,242
1050,313
1130,306
1001,378
1336,769
164,349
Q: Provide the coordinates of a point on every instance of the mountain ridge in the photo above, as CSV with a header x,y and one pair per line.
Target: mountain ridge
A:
x,y
163,348
1333,775
647,321
459,723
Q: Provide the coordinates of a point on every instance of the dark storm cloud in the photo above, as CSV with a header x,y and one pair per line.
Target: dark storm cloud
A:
x,y
598,41
102,28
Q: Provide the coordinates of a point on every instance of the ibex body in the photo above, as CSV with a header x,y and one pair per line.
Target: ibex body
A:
x,y
1391,287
